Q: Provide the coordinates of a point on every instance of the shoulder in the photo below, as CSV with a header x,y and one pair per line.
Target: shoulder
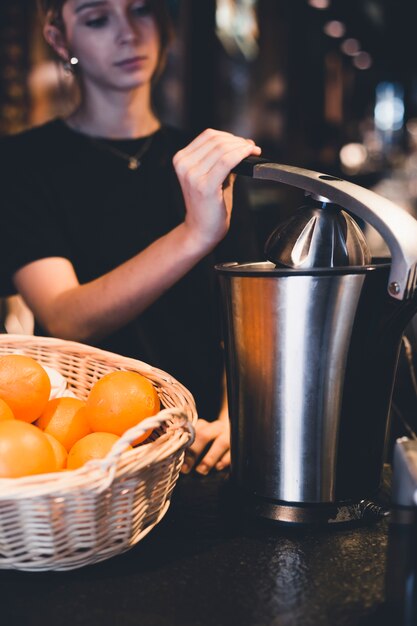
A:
x,y
29,146
34,135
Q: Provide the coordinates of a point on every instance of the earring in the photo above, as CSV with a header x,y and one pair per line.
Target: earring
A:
x,y
69,65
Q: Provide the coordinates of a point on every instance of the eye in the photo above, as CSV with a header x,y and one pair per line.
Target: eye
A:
x,y
97,22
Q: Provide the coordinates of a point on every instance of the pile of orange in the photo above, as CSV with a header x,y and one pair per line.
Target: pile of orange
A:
x,y
39,435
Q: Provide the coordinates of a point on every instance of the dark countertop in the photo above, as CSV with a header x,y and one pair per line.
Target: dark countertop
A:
x,y
203,565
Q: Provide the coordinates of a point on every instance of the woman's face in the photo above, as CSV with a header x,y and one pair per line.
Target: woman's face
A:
x,y
116,41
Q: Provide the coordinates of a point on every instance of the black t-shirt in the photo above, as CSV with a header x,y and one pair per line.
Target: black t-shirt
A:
x,y
66,195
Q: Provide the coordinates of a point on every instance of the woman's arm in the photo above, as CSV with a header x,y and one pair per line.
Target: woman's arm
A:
x,y
69,310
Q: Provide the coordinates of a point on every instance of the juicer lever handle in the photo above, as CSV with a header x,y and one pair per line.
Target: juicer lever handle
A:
x,y
397,227
246,167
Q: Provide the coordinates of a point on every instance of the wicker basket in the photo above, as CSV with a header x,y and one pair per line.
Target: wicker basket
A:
x,y
65,520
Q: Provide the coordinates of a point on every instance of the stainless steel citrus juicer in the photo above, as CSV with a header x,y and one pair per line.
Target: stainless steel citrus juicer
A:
x,y
312,339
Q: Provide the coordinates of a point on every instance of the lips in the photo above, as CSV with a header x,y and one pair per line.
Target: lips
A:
x,y
132,61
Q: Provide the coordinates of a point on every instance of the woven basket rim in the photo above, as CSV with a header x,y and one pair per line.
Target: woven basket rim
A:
x,y
85,350
179,435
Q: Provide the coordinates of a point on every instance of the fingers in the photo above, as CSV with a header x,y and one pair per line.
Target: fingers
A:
x,y
219,163
224,461
206,140
204,433
216,453
206,153
216,157
213,152
203,169
213,442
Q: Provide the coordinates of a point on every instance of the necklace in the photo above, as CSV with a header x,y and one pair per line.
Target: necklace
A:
x,y
133,160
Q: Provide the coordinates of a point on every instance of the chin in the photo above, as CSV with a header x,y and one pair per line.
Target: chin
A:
x,y
132,82
131,86
126,85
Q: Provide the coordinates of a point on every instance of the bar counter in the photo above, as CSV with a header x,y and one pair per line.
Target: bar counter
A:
x,y
206,565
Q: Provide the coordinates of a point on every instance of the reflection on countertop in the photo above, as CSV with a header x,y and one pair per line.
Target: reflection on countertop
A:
x,y
207,565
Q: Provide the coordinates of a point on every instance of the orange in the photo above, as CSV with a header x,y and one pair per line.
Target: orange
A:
x,y
93,446
5,411
64,419
24,450
24,386
59,452
119,401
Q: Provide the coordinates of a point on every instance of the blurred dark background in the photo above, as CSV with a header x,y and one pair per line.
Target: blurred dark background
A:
x,y
325,84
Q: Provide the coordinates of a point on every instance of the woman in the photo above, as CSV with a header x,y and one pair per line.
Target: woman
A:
x,y
101,241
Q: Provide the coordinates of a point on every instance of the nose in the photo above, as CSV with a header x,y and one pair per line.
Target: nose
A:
x,y
126,32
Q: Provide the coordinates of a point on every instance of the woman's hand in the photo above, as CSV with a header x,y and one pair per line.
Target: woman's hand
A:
x,y
203,169
217,434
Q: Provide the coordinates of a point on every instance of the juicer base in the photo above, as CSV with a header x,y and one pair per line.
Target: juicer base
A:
x,y
294,513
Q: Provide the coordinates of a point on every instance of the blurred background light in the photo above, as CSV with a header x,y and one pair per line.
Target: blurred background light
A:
x,y
389,106
319,4
353,156
350,46
362,60
237,26
334,28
